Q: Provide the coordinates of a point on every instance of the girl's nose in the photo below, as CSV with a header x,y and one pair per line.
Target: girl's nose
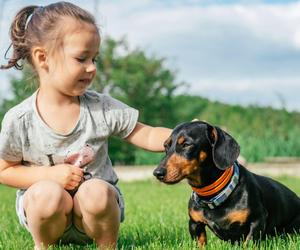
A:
x,y
91,67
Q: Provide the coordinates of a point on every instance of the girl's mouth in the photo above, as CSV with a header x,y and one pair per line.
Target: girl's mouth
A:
x,y
85,81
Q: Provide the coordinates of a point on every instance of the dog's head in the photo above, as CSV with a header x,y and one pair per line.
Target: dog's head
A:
x,y
192,146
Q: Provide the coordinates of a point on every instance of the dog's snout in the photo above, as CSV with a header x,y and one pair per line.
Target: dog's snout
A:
x,y
160,173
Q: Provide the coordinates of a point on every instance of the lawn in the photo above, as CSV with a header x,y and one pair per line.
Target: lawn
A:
x,y
156,218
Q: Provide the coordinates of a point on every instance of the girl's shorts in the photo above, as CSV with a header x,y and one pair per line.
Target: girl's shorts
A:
x,y
71,234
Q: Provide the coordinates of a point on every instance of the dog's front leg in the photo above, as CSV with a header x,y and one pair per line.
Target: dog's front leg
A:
x,y
197,232
256,229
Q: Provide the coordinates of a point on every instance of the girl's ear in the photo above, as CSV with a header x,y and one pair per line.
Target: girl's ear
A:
x,y
39,57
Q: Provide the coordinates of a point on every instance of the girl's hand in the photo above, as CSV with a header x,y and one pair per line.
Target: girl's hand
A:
x,y
69,176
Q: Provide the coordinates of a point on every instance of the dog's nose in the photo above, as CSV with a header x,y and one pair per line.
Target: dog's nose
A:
x,y
160,173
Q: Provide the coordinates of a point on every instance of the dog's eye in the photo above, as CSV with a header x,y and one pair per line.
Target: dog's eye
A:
x,y
186,145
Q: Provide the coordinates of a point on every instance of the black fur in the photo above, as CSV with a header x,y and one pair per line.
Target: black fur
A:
x,y
257,207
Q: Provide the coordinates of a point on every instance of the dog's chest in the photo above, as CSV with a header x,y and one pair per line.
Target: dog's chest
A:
x,y
226,224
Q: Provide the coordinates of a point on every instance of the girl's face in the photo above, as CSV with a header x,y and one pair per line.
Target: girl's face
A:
x,y
72,67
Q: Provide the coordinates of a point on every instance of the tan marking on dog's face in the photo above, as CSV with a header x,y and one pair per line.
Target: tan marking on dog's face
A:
x,y
240,216
197,216
202,156
180,140
179,167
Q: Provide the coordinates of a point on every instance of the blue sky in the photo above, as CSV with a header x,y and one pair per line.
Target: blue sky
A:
x,y
245,51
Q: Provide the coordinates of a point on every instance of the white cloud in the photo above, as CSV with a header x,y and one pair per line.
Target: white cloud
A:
x,y
239,48
296,39
210,34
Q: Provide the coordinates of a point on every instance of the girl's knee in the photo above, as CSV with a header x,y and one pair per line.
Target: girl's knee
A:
x,y
97,197
45,198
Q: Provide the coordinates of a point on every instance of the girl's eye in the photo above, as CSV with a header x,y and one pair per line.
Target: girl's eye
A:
x,y
81,60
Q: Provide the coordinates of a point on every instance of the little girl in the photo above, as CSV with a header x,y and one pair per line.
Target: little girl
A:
x,y
43,137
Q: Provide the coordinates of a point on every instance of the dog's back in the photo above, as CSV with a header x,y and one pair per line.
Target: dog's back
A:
x,y
281,203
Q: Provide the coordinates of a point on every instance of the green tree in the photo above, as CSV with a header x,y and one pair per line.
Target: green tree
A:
x,y
142,82
139,80
21,88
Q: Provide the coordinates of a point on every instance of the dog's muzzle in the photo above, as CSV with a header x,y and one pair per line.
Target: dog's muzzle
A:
x,y
160,173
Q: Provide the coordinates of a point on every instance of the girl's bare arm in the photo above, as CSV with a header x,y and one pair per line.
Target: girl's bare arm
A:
x,y
149,138
16,175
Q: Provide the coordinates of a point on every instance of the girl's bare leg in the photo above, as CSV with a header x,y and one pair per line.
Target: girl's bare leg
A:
x,y
48,211
97,213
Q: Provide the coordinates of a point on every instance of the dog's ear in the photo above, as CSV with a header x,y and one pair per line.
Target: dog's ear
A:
x,y
225,149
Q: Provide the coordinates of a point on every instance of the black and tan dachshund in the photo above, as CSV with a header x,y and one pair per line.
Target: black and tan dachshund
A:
x,y
234,203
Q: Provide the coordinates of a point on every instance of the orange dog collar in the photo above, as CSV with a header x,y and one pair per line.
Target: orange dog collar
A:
x,y
217,186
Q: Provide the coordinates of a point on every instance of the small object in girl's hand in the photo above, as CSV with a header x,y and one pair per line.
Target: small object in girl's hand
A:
x,y
81,159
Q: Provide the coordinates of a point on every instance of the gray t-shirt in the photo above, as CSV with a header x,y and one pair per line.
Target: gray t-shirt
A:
x,y
26,137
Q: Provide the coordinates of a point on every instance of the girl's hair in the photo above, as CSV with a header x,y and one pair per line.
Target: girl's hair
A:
x,y
36,26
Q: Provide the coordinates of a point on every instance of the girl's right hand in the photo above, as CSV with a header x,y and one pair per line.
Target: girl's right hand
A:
x,y
69,176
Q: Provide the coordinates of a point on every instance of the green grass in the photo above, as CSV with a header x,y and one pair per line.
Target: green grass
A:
x,y
156,218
